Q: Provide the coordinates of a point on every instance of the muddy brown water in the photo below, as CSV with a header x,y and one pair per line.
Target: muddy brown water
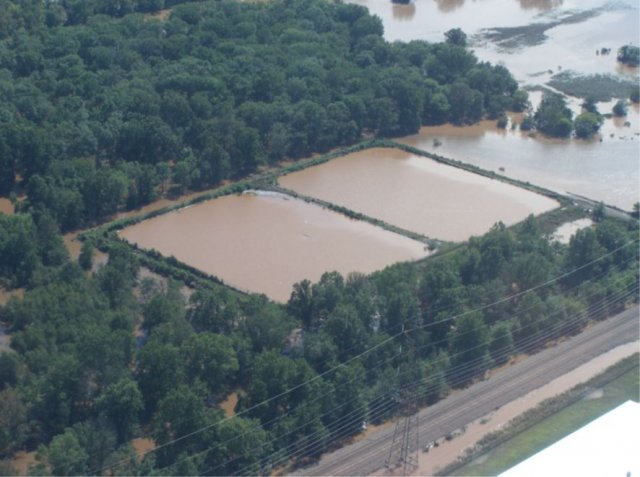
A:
x,y
5,295
229,404
267,242
22,461
429,20
607,170
74,246
567,230
142,446
448,451
417,193
571,31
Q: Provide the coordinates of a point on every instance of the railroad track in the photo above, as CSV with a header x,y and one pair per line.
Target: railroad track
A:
x,y
458,410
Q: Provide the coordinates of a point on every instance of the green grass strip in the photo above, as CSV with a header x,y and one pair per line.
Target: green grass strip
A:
x,y
551,420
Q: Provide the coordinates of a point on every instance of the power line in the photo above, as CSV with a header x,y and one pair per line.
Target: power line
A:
x,y
459,369
461,377
456,413
393,357
471,364
360,355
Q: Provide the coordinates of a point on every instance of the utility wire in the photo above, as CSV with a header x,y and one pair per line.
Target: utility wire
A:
x,y
460,378
563,324
461,375
360,355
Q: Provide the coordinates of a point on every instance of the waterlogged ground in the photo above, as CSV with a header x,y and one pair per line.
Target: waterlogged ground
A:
x,y
265,243
448,451
530,37
6,207
605,168
567,230
417,193
536,40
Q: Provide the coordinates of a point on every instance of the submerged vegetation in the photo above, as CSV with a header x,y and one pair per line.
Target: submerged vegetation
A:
x,y
554,118
629,55
108,364
534,33
104,108
599,87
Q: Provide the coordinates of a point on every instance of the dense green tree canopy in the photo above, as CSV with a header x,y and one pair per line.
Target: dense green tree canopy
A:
x,y
553,117
102,106
343,351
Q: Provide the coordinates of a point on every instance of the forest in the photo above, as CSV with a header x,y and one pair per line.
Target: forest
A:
x,y
98,358
102,111
105,108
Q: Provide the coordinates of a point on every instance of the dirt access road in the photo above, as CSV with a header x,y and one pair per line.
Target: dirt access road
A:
x,y
460,409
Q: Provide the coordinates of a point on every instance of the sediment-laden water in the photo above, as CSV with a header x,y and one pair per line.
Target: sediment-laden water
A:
x,y
537,40
267,242
417,193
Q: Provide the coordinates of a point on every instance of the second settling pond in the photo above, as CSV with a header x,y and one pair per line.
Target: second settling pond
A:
x,y
417,194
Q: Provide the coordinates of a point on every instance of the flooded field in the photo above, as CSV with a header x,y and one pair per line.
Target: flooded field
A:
x,y
564,233
607,170
265,243
530,37
448,451
535,40
417,194
429,20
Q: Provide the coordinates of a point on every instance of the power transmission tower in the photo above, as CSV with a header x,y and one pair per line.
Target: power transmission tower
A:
x,y
405,445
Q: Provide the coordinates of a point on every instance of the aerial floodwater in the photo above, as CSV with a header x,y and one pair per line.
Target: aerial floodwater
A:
x,y
538,41
607,170
417,193
264,242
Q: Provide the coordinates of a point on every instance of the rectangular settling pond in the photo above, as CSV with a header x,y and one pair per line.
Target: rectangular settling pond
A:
x,y
417,193
264,242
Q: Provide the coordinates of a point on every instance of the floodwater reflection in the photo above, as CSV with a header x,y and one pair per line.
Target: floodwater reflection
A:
x,y
404,12
572,32
605,168
540,4
446,6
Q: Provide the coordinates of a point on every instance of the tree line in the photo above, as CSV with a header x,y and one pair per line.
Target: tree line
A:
x,y
100,358
103,108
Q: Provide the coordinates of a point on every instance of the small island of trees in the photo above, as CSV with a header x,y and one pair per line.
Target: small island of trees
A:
x,y
102,106
554,118
629,55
